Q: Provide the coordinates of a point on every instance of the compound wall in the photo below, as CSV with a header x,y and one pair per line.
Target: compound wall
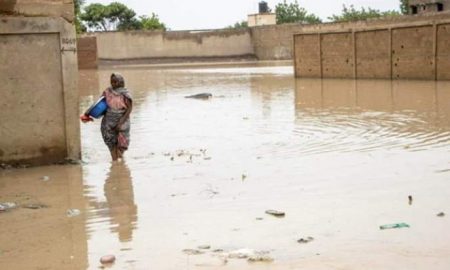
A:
x,y
418,49
177,45
39,101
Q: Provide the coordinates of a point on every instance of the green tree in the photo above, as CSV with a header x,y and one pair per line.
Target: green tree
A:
x,y
293,13
238,25
352,14
96,16
151,23
78,25
404,6
115,16
122,17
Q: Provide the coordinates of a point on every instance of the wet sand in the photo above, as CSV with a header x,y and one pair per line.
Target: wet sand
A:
x,y
339,157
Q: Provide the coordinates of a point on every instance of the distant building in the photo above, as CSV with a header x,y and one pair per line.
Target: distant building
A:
x,y
428,6
264,17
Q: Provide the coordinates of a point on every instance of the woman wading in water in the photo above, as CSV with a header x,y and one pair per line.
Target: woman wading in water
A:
x,y
115,125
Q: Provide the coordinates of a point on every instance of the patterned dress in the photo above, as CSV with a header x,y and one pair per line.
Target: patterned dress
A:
x,y
117,106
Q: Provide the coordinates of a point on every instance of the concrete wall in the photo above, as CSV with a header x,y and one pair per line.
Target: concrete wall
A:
x,y
415,47
261,19
49,8
427,6
155,45
87,52
39,101
274,42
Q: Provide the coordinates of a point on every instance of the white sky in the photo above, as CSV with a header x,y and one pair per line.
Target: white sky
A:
x,y
211,14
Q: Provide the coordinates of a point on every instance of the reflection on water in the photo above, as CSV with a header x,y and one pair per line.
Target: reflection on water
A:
x,y
120,201
369,115
340,157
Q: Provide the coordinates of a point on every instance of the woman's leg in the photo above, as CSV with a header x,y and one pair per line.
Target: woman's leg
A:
x,y
114,155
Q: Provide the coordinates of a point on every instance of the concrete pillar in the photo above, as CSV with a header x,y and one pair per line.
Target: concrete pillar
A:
x,y
39,101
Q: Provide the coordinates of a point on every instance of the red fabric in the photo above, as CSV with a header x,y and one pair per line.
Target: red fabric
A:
x,y
122,142
85,118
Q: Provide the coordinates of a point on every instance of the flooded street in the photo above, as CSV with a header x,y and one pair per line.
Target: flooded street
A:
x,y
339,157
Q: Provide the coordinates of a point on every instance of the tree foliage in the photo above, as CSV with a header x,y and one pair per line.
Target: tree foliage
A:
x,y
293,13
78,25
352,14
117,16
151,23
238,25
404,6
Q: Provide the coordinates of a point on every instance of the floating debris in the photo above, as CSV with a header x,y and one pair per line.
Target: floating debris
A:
x,y
5,206
275,213
45,178
200,96
260,258
410,200
251,255
107,259
35,206
242,253
305,240
394,226
190,251
73,212
441,214
259,218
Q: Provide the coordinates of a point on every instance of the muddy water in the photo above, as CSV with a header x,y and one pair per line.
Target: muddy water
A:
x,y
340,157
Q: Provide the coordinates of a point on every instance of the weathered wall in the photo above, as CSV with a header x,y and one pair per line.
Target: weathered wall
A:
x,y
415,47
337,60
443,52
261,19
274,42
87,52
307,54
50,8
428,6
39,101
372,54
166,45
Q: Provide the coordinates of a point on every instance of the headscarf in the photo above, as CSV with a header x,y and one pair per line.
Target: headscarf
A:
x,y
120,89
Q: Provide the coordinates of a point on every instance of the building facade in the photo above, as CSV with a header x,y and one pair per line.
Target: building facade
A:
x,y
428,6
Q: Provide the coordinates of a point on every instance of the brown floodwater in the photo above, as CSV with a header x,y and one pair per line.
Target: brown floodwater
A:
x,y
339,157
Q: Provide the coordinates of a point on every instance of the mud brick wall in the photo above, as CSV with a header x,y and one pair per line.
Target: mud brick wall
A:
x,y
415,48
413,53
87,52
307,55
159,46
49,8
443,52
337,61
274,42
372,54
39,101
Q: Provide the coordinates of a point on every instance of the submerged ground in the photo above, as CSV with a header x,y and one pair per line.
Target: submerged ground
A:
x,y
339,157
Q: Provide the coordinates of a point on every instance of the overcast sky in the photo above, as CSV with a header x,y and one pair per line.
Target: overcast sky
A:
x,y
211,14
